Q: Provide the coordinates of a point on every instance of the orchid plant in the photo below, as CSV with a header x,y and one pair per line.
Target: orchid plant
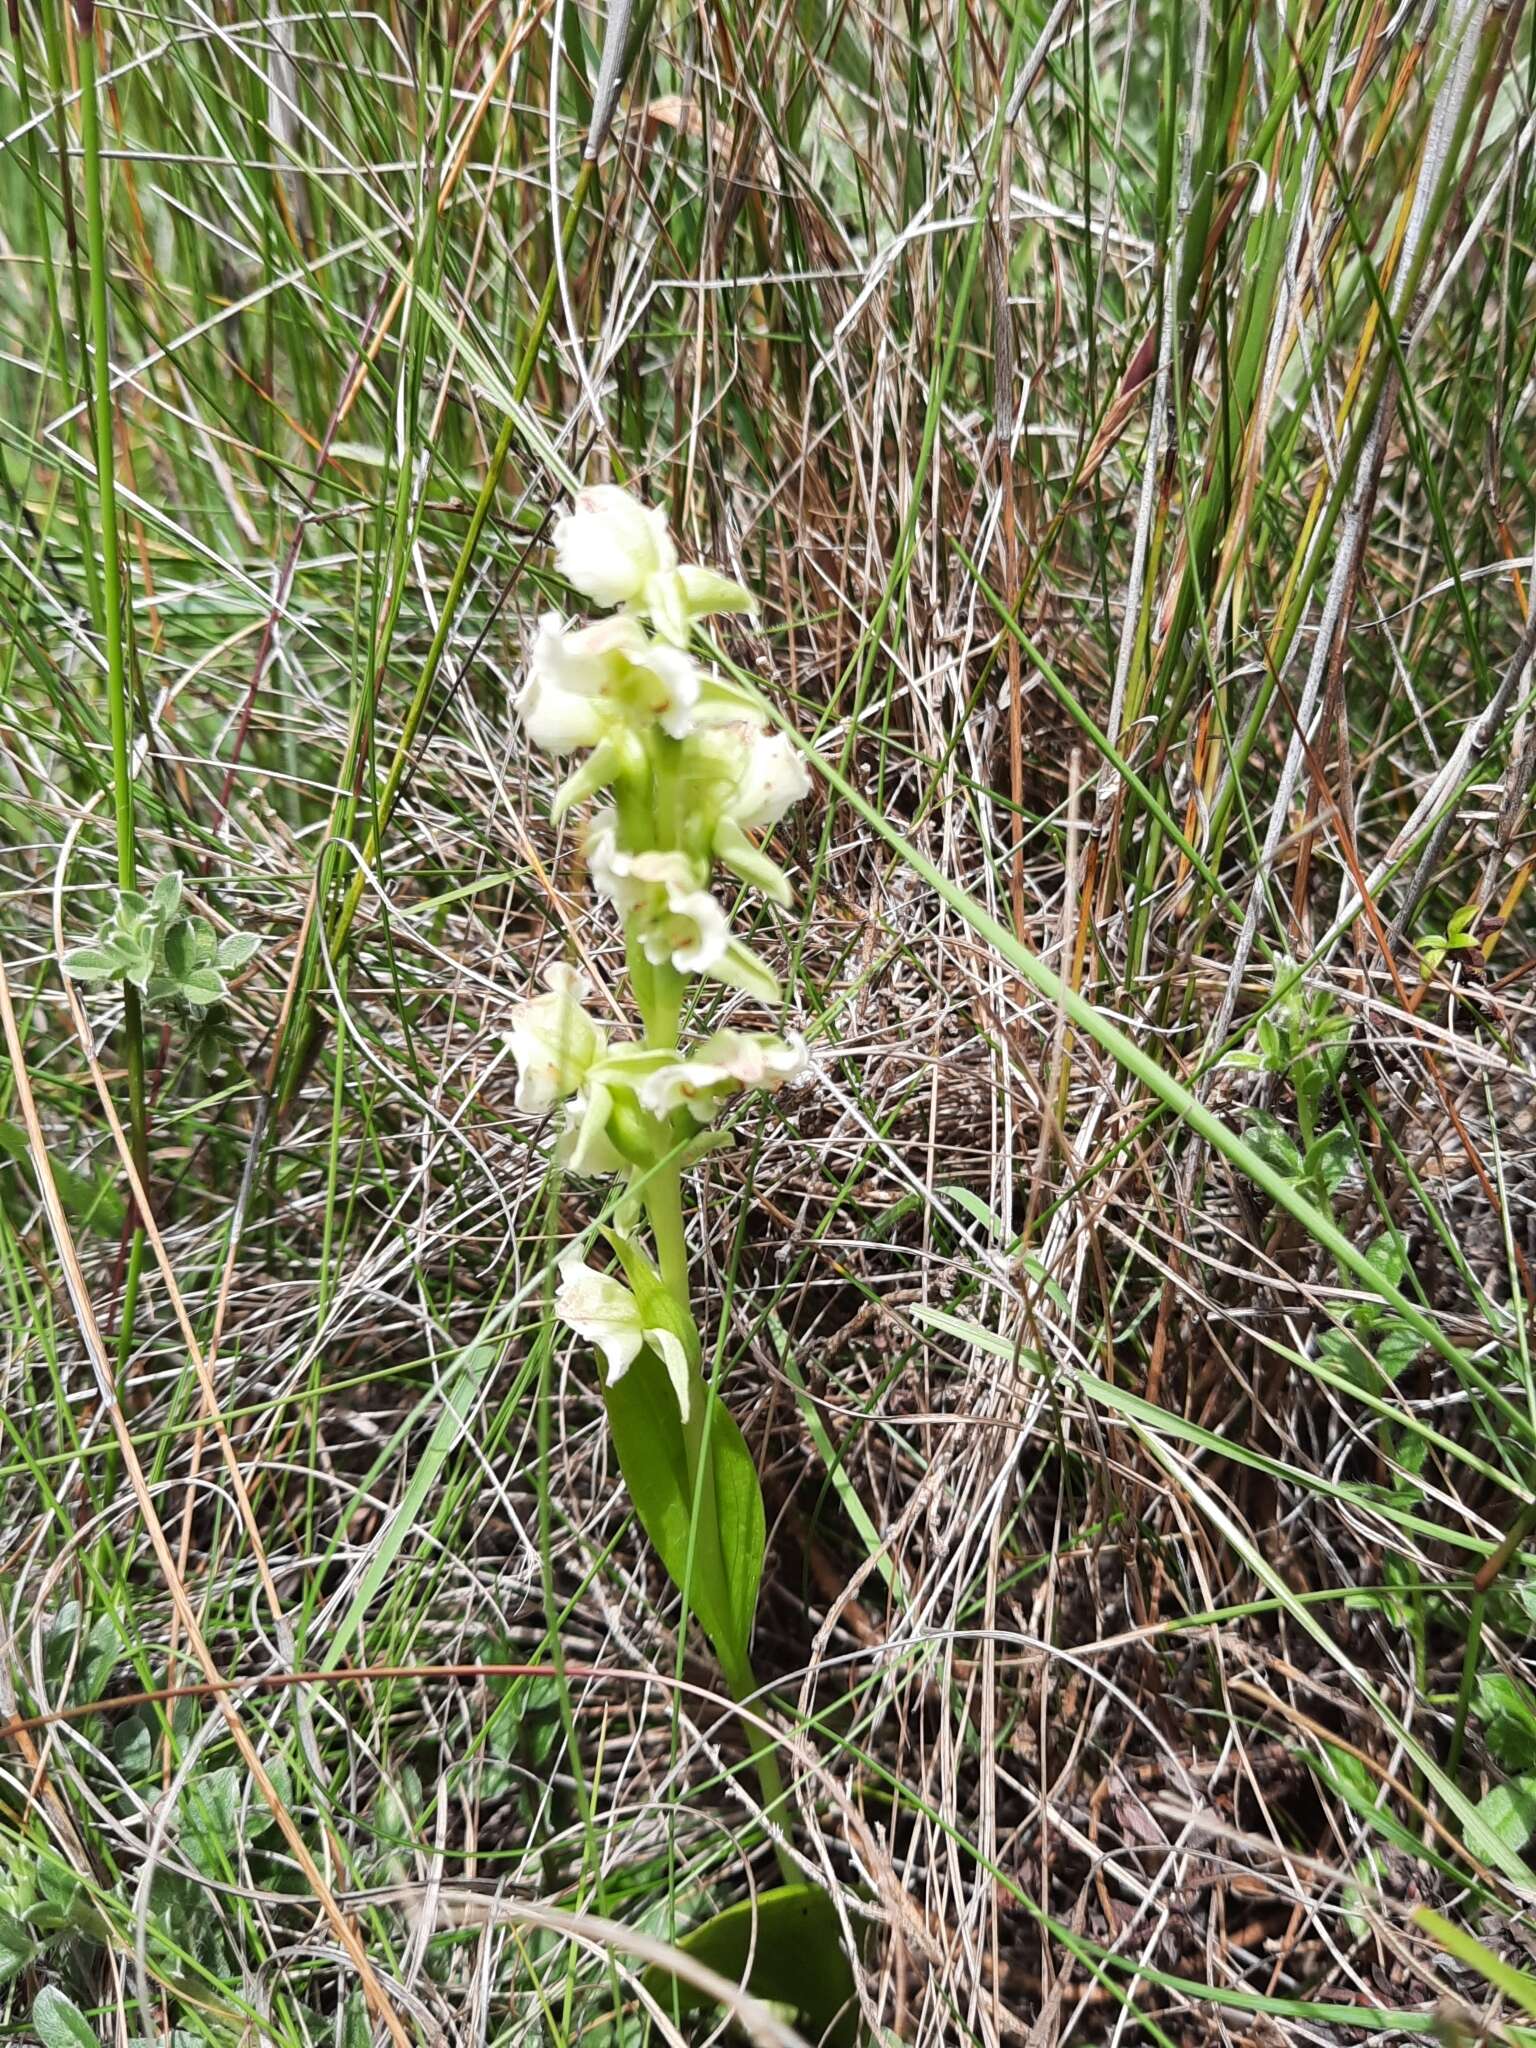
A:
x,y
684,778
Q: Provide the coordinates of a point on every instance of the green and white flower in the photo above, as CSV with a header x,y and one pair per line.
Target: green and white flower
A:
x,y
554,1042
769,776
724,1064
583,687
617,551
744,779
609,545
602,1309
585,1146
675,919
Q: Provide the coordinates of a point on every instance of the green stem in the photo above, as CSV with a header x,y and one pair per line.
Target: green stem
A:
x,y
118,704
659,995
664,1209
760,1746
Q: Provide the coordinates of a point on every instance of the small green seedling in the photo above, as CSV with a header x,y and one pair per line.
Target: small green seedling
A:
x,y
177,962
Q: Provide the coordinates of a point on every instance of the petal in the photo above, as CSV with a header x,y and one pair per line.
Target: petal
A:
x,y
586,1147
600,1309
711,938
590,660
669,1349
666,606
773,776
556,720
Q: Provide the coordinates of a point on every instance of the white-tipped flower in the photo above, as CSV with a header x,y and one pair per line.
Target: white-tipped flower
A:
x,y
609,545
554,1042
602,1309
617,551
745,779
585,686
725,1063
679,921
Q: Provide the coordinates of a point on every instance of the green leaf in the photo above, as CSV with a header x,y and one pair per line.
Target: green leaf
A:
x,y
741,968
1397,1349
165,897
204,985
748,863
133,1748
59,2022
211,1827
91,963
786,1946
1389,1257
720,1564
179,949
138,962
1509,1812
1330,1157
1508,1714
17,1948
236,949
356,2028
1277,1150
706,590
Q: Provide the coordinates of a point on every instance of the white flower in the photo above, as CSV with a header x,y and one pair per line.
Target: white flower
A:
x,y
677,920
617,551
601,1308
771,778
583,685
725,1062
752,775
554,1041
609,545
745,779
680,922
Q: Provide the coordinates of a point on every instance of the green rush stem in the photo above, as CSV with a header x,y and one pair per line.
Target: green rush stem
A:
x,y
309,1038
112,619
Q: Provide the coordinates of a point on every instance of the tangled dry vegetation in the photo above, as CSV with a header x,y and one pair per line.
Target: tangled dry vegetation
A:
x,y
1125,410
